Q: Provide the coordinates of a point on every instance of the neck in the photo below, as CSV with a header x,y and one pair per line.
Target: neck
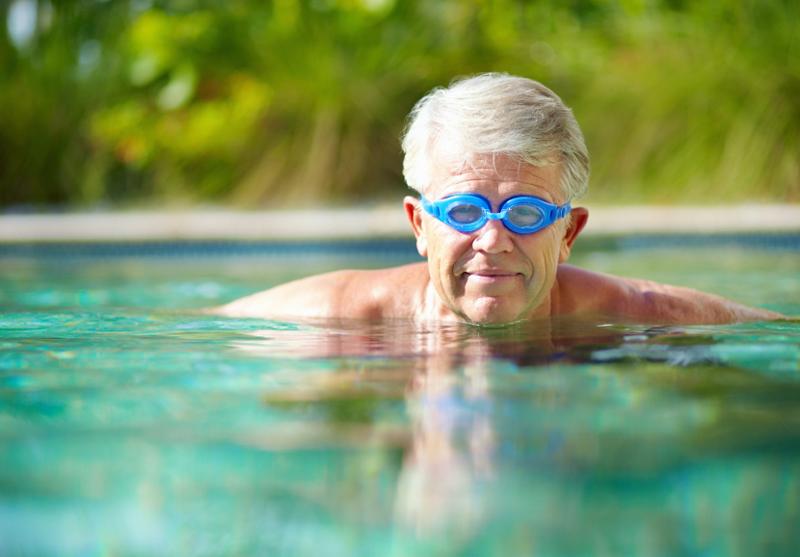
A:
x,y
432,307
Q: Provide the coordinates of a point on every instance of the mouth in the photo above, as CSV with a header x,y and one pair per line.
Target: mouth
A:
x,y
490,275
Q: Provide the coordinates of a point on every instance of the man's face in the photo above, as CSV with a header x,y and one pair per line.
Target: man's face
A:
x,y
493,275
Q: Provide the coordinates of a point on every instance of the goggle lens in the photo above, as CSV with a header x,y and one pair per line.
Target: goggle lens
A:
x,y
525,216
465,213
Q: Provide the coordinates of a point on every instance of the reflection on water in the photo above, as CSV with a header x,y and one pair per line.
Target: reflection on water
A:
x,y
130,433
614,410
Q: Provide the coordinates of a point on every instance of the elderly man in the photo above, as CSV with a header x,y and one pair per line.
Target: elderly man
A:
x,y
497,161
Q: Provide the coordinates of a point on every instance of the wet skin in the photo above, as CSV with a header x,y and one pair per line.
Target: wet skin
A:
x,y
491,276
494,275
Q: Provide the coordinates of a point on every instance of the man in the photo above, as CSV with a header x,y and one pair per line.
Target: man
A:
x,y
497,161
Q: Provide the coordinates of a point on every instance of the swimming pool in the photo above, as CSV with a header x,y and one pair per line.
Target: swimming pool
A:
x,y
132,425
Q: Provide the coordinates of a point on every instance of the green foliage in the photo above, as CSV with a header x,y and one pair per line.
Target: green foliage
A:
x,y
251,103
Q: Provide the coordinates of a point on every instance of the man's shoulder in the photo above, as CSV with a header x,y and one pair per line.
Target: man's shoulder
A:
x,y
354,293
583,291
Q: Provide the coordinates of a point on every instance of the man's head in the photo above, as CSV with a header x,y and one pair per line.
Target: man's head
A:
x,y
496,137
494,113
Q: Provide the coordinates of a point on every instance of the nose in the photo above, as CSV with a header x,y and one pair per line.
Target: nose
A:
x,y
493,238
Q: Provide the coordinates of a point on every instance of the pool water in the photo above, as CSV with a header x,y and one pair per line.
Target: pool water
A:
x,y
130,424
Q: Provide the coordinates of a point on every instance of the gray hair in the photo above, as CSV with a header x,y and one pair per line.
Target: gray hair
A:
x,y
496,113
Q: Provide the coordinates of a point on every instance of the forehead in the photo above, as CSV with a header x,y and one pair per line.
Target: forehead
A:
x,y
495,176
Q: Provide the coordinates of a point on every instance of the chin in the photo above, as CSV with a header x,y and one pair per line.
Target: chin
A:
x,y
491,312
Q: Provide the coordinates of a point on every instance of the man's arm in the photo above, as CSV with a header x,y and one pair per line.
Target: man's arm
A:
x,y
316,296
352,294
675,304
644,301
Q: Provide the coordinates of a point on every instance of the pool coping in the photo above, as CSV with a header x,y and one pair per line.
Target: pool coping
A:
x,y
221,224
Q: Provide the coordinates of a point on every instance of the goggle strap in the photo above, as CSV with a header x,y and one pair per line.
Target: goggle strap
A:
x,y
431,208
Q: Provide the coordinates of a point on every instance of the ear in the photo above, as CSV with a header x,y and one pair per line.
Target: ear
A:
x,y
414,215
577,220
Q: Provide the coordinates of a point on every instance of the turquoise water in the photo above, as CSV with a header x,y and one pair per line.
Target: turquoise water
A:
x,y
131,425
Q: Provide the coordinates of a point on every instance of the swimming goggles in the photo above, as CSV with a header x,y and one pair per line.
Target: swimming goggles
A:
x,y
468,212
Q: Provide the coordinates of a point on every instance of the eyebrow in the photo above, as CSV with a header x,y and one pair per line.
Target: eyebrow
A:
x,y
545,193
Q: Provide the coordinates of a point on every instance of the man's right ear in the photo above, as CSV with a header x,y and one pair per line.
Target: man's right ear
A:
x,y
414,215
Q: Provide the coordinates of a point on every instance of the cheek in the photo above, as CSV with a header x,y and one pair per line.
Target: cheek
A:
x,y
544,255
448,246
446,254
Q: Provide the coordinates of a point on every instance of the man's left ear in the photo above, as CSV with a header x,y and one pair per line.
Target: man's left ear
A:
x,y
577,220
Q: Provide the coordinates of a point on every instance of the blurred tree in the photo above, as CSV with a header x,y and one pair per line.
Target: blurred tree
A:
x,y
302,101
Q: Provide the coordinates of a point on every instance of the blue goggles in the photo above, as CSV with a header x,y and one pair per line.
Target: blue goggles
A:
x,y
468,212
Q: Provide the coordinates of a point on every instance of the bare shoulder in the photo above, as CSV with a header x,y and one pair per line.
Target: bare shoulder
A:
x,y
582,291
362,294
313,296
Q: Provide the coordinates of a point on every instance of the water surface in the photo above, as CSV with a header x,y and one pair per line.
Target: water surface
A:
x,y
132,425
